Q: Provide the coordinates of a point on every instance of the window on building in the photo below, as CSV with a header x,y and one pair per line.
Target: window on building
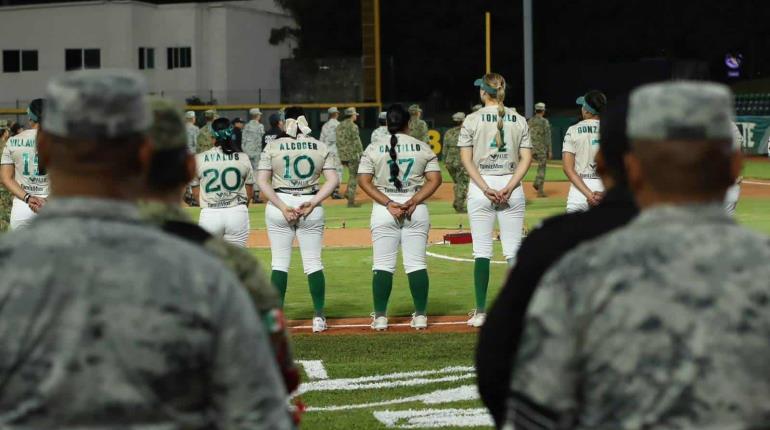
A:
x,y
146,58
29,61
75,59
15,61
178,57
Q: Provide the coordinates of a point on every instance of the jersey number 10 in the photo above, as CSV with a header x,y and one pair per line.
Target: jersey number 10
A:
x,y
287,167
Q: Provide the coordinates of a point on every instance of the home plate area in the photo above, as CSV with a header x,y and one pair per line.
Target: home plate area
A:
x,y
447,385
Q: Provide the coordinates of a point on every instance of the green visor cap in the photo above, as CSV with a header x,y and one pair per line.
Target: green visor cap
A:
x,y
481,84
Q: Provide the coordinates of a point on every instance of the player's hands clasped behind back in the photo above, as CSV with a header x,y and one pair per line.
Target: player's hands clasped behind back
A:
x,y
595,198
290,214
36,203
397,210
304,210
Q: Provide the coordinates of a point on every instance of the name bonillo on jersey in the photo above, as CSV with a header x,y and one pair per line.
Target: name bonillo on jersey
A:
x,y
298,146
491,117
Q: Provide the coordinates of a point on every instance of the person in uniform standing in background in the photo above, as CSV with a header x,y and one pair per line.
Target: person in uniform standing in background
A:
x,y
663,323
113,299
581,144
204,137
382,128
222,185
191,132
496,151
734,192
276,129
253,133
350,149
540,135
329,137
399,174
289,175
418,128
454,164
6,198
171,169
21,171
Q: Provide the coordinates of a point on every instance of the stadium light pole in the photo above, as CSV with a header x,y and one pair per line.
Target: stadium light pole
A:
x,y
488,40
529,78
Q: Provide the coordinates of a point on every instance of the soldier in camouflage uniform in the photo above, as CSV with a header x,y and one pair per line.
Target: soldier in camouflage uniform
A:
x,y
454,165
253,133
160,206
108,322
205,137
663,324
540,135
418,128
6,198
350,149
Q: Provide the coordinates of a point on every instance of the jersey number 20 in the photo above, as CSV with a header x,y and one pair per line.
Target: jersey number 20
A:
x,y
212,186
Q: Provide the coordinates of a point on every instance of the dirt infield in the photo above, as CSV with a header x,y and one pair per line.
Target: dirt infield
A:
x,y
347,326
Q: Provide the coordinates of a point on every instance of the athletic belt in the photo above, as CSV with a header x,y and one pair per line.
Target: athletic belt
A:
x,y
589,176
295,192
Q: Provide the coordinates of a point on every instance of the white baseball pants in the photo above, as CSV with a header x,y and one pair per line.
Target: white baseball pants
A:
x,y
308,231
231,224
483,213
576,201
388,234
731,199
21,215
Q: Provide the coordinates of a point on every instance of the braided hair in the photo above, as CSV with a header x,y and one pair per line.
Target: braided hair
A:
x,y
497,82
226,136
397,119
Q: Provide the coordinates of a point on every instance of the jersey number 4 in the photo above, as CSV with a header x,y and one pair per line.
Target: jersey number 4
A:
x,y
217,179
409,162
287,165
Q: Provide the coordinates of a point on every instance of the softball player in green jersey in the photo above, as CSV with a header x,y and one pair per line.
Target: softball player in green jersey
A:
x,y
496,151
289,177
399,173
223,184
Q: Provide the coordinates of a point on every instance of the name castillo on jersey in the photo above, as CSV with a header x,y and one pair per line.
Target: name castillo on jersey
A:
x,y
414,158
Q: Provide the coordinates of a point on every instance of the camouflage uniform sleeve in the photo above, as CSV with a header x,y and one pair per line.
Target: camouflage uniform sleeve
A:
x,y
247,390
544,378
548,143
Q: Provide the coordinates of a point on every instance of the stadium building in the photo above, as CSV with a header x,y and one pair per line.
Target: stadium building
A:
x,y
212,50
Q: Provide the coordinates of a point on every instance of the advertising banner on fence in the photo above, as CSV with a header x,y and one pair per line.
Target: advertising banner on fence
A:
x,y
756,132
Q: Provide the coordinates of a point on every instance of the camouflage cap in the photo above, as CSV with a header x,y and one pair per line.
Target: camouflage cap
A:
x,y
540,106
211,113
476,108
382,115
350,111
96,104
3,123
189,114
332,110
683,110
255,111
458,117
167,130
414,108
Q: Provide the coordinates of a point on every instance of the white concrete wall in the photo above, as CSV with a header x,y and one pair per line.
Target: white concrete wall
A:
x,y
231,55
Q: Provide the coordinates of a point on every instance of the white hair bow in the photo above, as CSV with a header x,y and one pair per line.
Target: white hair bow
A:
x,y
292,125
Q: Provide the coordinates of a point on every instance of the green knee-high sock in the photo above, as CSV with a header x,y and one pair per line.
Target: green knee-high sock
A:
x,y
418,285
382,284
481,282
280,280
317,283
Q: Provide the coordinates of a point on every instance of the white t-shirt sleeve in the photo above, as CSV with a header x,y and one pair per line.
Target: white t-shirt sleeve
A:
x,y
432,165
264,160
330,161
525,141
466,133
6,158
569,143
366,166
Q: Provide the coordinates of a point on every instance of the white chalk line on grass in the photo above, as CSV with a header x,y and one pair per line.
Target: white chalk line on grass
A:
x,y
366,382
465,260
756,183
369,325
465,392
314,369
434,418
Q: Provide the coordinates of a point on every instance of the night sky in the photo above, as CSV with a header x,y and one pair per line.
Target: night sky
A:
x,y
433,49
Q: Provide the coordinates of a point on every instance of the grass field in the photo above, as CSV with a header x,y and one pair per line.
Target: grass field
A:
x,y
366,385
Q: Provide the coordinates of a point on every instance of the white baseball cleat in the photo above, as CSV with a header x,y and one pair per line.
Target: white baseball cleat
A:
x,y
477,318
419,322
379,323
319,324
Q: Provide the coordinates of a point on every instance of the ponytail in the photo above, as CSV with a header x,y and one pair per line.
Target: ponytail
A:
x,y
226,136
500,96
397,119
